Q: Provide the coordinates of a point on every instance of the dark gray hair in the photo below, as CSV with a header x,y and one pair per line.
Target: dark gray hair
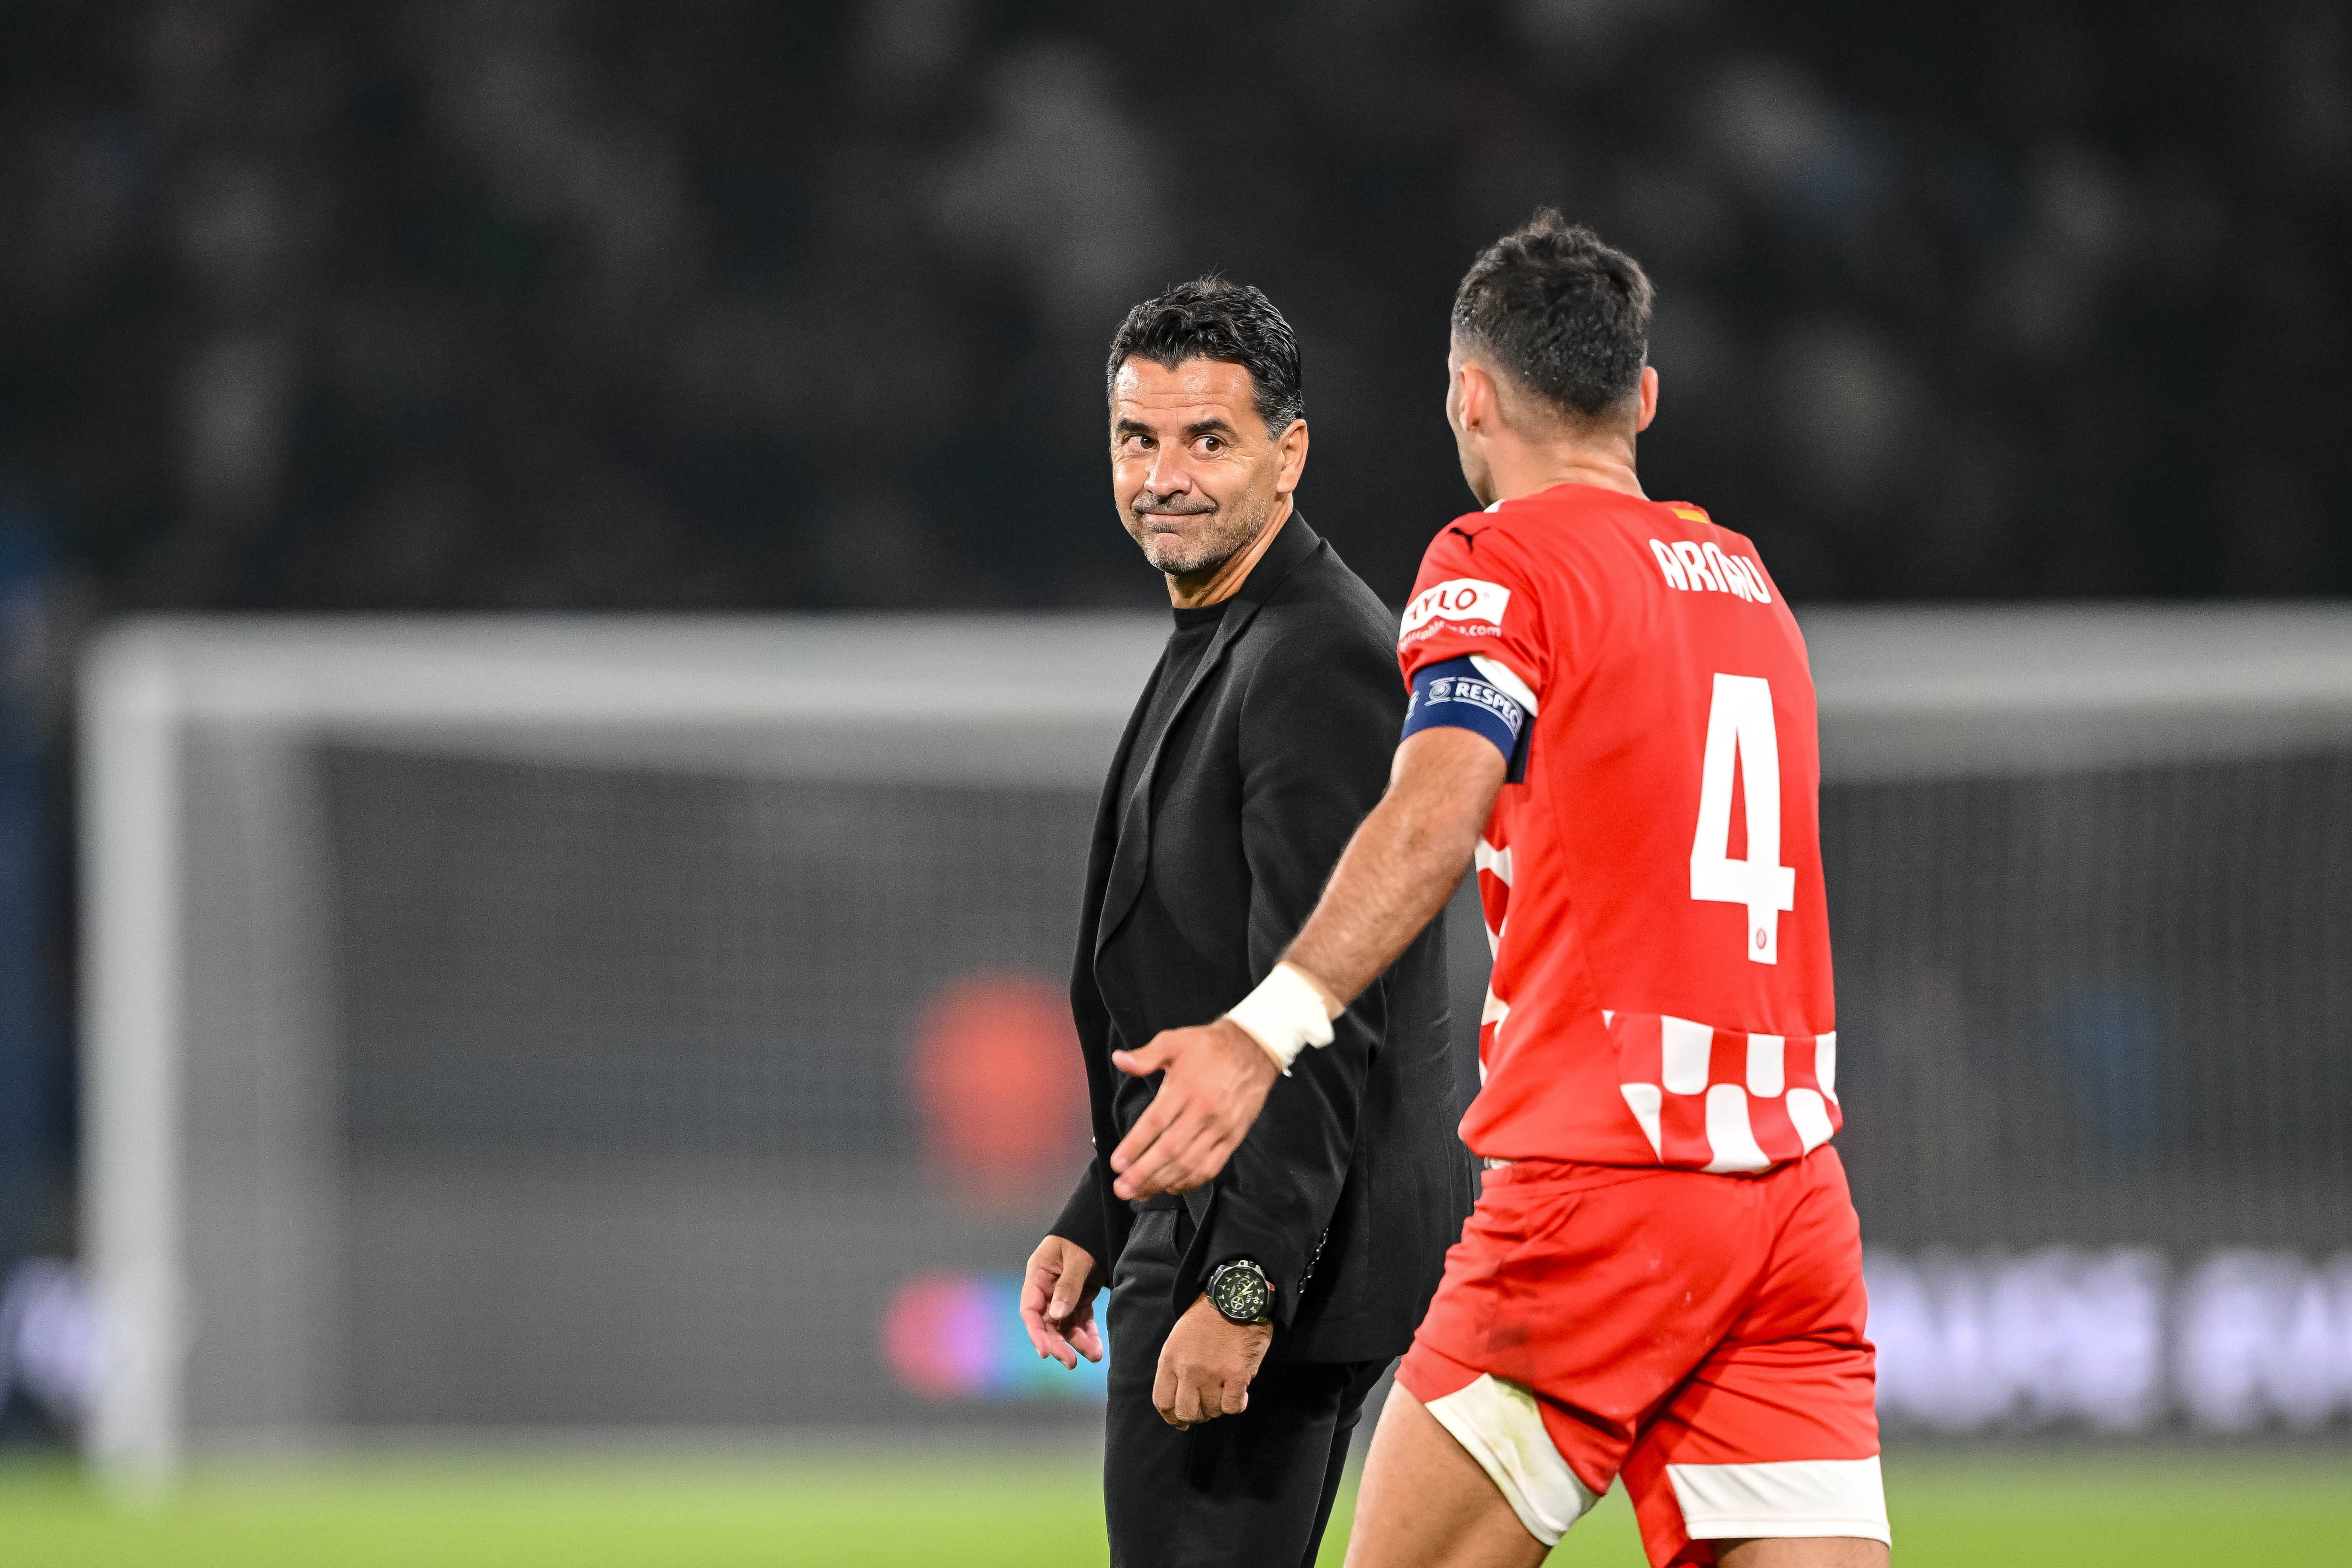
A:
x,y
1210,319
1560,311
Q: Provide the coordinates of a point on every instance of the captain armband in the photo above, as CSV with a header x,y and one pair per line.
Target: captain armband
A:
x,y
1480,695
1285,1015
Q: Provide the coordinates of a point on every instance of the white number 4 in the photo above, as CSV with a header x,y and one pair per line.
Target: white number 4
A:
x,y
1740,723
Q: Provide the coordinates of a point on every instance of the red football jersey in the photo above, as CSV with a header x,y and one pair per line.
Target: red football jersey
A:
x,y
1651,881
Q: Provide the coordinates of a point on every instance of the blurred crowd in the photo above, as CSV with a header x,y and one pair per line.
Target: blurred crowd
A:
x,y
537,304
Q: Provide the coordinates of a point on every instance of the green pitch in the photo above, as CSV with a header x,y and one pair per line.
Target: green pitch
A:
x,y
2145,1510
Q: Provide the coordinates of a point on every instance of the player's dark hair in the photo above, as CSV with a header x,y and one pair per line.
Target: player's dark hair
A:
x,y
1210,319
1564,313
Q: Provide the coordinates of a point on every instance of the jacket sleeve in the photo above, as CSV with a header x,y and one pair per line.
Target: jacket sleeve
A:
x,y
1319,723
1082,1220
1093,1217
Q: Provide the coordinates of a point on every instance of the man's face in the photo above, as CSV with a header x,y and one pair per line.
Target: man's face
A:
x,y
1195,473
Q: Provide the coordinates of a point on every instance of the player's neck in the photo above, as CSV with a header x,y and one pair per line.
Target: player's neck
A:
x,y
1532,469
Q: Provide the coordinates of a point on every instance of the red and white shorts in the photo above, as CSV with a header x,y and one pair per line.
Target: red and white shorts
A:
x,y
1699,1334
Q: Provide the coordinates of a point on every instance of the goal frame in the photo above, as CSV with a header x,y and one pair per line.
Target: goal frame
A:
x,y
1040,698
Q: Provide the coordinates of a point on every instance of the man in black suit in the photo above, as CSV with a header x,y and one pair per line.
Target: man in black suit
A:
x,y
1248,1319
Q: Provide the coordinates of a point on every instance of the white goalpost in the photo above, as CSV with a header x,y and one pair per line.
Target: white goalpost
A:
x,y
503,1024
971,701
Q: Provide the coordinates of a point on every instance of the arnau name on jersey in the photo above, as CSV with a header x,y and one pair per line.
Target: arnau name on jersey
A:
x,y
1692,568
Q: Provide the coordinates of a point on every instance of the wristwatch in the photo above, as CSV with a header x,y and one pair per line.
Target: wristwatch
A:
x,y
1242,1293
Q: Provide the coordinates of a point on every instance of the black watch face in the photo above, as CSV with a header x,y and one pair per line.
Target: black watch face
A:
x,y
1240,1294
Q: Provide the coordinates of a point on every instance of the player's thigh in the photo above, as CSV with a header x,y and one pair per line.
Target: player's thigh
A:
x,y
1769,1449
1426,1503
1795,1378
1596,1288
1814,1284
1815,1551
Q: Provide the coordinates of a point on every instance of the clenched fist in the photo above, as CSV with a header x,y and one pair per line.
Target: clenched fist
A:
x,y
1206,1367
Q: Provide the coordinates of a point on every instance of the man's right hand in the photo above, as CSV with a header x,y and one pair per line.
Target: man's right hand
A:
x,y
1057,1303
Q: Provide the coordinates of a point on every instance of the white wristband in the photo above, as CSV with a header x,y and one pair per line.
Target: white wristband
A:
x,y
1286,1014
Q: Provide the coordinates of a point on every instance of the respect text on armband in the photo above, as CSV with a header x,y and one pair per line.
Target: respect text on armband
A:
x,y
1478,694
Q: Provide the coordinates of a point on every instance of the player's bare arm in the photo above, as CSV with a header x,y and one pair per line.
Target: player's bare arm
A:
x,y
1399,869
1403,864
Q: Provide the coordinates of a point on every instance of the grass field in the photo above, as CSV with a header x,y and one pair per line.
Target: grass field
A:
x,y
2084,1509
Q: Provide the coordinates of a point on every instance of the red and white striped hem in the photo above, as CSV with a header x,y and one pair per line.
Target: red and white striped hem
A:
x,y
1721,1099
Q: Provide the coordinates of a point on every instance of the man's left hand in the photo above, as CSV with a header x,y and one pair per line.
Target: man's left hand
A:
x,y
1217,1077
1206,1366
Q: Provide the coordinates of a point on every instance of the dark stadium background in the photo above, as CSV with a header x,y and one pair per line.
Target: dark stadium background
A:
x,y
799,307
746,305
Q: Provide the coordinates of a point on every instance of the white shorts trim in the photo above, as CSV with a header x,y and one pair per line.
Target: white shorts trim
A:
x,y
1795,1497
1497,1423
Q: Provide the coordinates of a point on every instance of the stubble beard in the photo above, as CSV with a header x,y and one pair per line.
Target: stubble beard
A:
x,y
1226,534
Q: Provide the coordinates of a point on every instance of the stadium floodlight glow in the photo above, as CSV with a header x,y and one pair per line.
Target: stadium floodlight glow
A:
x,y
471,958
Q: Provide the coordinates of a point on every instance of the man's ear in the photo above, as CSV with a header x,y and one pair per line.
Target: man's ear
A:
x,y
1648,395
1480,400
1290,446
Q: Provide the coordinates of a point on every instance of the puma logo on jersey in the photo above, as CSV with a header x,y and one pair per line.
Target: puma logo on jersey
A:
x,y
1463,600
1692,568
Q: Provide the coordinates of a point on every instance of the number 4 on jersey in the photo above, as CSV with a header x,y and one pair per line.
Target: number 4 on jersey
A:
x,y
1739,734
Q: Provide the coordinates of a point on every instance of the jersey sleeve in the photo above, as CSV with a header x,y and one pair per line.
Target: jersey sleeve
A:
x,y
1476,598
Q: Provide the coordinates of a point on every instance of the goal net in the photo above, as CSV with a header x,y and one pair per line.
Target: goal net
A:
x,y
529,1026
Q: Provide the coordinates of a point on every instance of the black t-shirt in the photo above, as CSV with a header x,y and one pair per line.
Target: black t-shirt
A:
x,y
1195,630
1187,646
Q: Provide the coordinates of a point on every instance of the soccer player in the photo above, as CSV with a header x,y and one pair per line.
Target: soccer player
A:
x,y
1612,718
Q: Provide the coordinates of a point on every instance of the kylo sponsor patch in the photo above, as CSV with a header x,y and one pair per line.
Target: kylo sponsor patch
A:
x,y
1469,603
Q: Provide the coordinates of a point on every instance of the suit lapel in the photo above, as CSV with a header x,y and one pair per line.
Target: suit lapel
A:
x,y
1132,852
1106,832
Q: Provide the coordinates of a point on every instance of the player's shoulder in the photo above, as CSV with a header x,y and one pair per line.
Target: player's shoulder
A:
x,y
1470,573
1494,537
1565,532
1706,524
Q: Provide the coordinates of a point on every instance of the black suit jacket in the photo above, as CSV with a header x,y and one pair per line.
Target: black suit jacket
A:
x,y
1354,1181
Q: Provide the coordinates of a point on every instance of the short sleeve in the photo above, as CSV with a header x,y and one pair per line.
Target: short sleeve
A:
x,y
1476,600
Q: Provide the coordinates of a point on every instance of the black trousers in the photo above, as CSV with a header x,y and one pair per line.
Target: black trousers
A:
x,y
1252,1491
